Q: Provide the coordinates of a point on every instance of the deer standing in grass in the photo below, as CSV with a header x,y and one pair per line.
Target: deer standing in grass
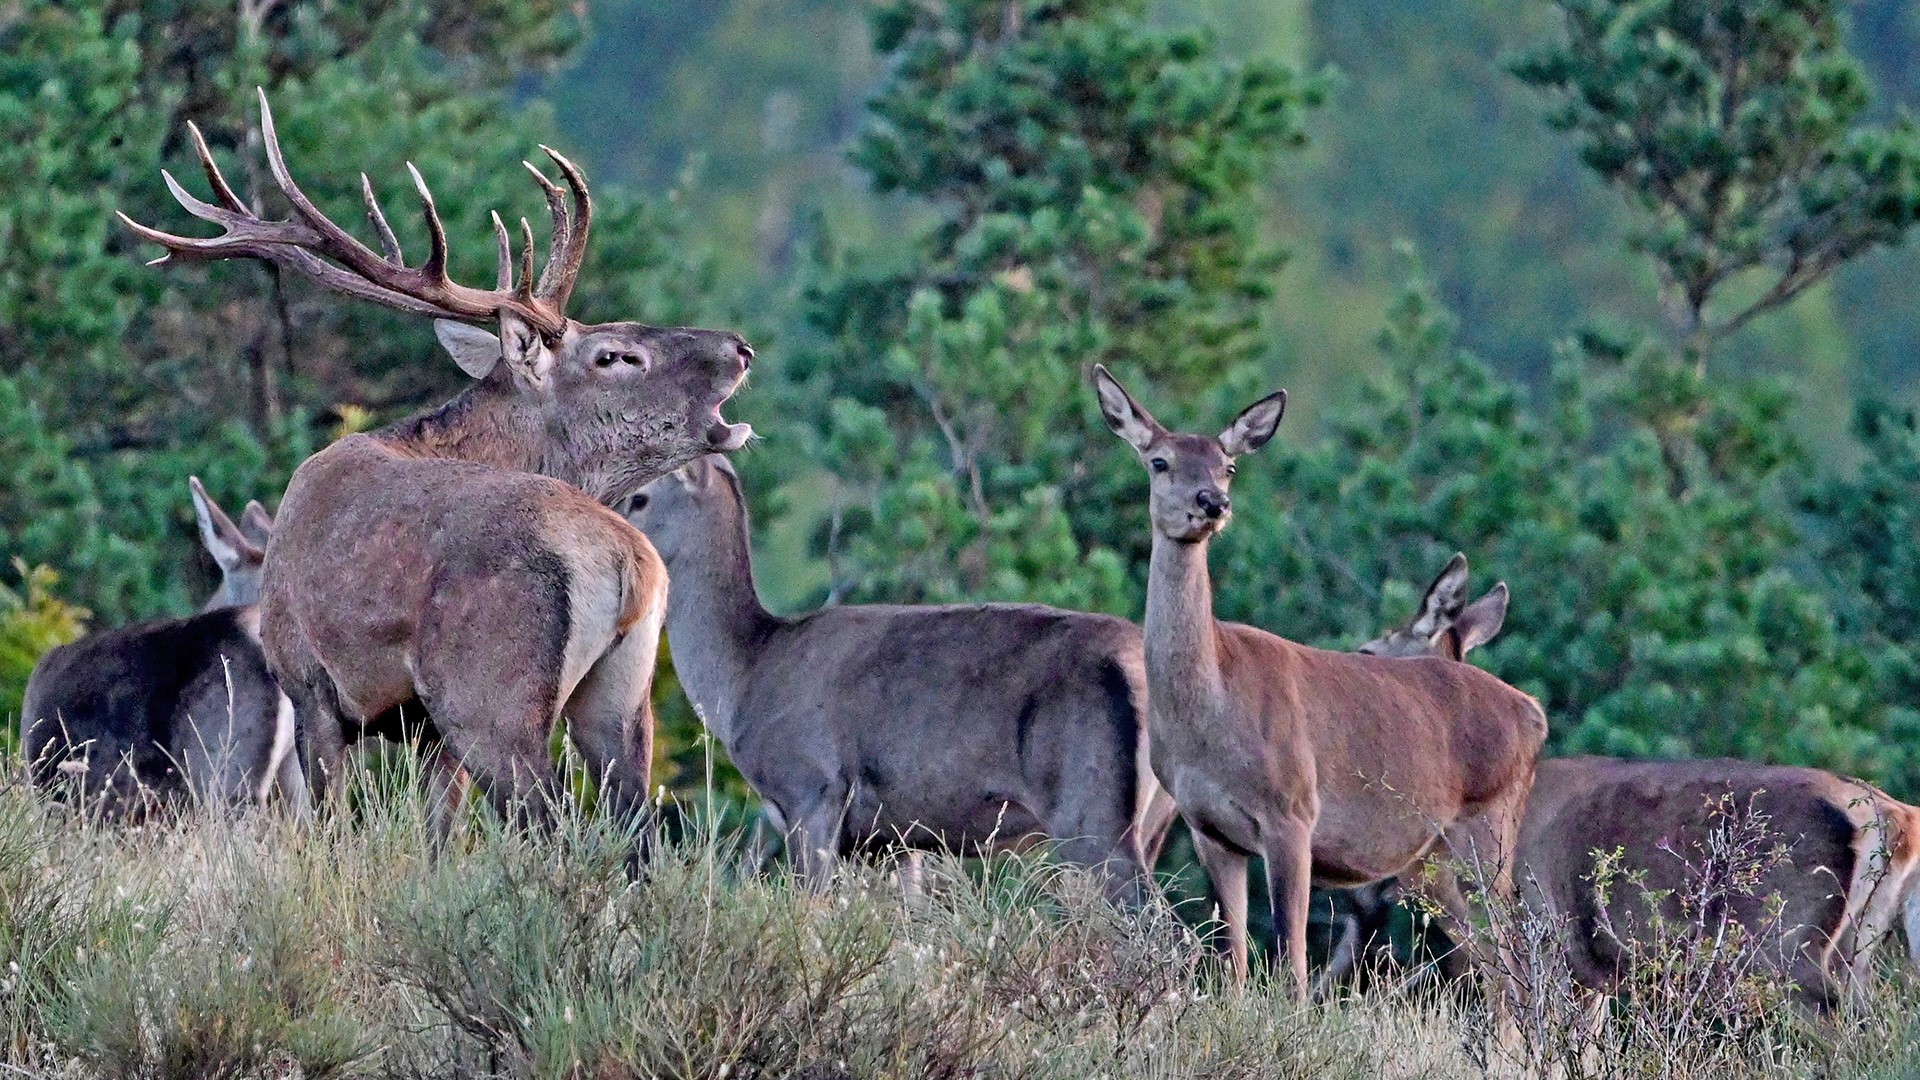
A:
x,y
147,715
464,563
1848,876
962,726
1337,768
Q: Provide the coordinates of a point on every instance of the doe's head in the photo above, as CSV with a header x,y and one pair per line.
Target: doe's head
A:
x,y
1446,625
1189,475
239,549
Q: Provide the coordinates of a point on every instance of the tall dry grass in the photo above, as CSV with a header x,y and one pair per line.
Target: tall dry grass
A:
x,y
243,946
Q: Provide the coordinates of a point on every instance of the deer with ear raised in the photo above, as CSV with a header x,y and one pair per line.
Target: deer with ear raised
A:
x,y
462,566
1337,768
149,714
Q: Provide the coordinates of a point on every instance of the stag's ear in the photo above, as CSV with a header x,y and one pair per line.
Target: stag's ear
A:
x,y
475,350
256,523
1445,598
525,350
1255,425
224,540
1482,619
1123,414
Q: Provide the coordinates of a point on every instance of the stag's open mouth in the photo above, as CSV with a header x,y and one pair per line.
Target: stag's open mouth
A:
x,y
725,438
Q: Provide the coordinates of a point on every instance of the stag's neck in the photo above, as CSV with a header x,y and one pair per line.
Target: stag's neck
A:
x,y
487,424
715,621
1182,638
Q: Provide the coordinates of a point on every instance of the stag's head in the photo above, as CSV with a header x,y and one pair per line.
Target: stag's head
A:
x,y
239,549
633,399
1189,474
1446,625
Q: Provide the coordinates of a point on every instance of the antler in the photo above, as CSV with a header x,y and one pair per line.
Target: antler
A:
x,y
310,243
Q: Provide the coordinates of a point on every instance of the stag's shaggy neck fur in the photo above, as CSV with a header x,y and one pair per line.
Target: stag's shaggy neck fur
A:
x,y
488,423
715,621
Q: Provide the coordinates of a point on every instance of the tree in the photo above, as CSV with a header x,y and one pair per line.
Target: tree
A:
x,y
1088,186
1734,127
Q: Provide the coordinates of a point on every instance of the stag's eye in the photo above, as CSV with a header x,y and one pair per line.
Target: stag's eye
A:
x,y
607,359
1231,468
1158,464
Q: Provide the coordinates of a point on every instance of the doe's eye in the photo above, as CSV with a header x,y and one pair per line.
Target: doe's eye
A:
x,y
1232,468
1158,464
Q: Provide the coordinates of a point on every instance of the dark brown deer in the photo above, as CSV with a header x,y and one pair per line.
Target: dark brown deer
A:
x,y
1853,851
961,726
1337,768
463,564
149,715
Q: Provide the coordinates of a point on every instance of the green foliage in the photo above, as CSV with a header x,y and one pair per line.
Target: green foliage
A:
x,y
32,620
1093,185
1733,125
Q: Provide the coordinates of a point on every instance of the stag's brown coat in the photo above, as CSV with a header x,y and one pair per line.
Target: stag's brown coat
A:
x,y
425,568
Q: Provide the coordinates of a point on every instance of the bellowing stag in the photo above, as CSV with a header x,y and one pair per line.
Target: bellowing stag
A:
x,y
463,564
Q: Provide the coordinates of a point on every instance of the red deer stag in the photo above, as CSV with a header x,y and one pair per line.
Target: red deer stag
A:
x,y
957,726
1852,850
1337,768
464,562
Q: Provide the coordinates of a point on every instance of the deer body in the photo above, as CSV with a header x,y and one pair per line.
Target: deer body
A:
x,y
427,564
1852,850
174,708
960,726
1335,767
1849,874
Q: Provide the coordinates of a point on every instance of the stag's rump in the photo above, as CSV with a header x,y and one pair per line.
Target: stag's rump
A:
x,y
955,725
378,558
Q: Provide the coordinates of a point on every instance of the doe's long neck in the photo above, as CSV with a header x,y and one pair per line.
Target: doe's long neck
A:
x,y
1182,638
715,621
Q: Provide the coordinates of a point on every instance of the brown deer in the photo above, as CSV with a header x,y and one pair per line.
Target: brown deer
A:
x,y
963,726
145,716
464,563
1337,768
1853,851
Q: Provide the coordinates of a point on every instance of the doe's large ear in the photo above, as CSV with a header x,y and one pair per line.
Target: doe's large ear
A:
x,y
1123,414
1440,607
1482,619
1255,425
475,350
223,539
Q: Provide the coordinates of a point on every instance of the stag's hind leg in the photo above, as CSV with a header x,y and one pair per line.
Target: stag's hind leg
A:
x,y
610,718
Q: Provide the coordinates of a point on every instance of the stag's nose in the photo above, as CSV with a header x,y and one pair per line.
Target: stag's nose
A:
x,y
745,350
1212,501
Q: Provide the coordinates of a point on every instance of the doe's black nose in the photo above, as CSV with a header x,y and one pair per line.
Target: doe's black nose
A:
x,y
1212,501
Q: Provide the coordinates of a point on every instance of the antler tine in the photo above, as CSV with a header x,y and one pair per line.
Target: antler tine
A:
x,y
214,180
435,268
504,276
311,244
336,242
570,244
526,262
388,241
